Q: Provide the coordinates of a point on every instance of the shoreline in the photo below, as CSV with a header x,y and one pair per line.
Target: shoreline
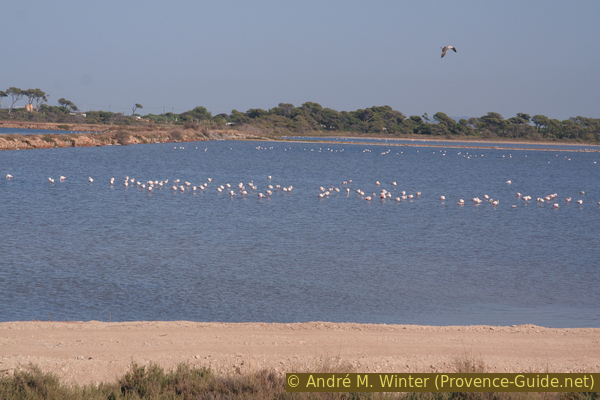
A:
x,y
93,352
85,135
456,146
450,143
465,139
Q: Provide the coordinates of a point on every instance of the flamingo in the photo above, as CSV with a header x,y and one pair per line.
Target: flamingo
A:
x,y
9,176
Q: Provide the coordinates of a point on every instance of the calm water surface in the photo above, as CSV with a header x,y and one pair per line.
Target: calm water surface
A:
x,y
447,143
77,250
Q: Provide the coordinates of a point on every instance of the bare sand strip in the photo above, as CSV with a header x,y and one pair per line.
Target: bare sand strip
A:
x,y
90,352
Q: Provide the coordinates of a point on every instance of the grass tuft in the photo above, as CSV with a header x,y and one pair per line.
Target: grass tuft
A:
x,y
186,382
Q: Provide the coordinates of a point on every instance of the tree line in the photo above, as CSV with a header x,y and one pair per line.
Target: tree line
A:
x,y
310,117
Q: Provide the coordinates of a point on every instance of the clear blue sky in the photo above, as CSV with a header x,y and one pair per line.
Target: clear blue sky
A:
x,y
537,57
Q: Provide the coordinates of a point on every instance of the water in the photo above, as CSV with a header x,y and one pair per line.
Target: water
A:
x,y
76,250
449,143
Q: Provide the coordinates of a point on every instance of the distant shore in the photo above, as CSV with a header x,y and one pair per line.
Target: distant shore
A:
x,y
86,135
82,135
453,144
89,352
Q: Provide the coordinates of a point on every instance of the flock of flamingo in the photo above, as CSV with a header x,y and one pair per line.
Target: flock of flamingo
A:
x,y
387,195
251,188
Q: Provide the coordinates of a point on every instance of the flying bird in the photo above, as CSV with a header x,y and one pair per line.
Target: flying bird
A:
x,y
446,48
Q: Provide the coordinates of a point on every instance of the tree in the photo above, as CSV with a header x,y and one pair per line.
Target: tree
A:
x,y
136,106
314,110
524,116
494,122
446,121
365,116
332,119
255,113
35,95
197,114
463,127
67,105
2,94
286,109
16,94
416,119
238,118
40,99
540,121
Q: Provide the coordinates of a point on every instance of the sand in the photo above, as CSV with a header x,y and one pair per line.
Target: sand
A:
x,y
93,352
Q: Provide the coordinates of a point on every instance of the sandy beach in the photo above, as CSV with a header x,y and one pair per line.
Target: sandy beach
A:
x,y
92,352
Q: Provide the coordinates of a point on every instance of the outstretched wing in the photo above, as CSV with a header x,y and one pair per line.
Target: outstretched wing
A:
x,y
445,49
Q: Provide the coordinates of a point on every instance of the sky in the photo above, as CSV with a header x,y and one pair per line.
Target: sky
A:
x,y
535,57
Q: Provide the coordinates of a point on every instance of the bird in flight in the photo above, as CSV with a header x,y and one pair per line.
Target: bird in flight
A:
x,y
446,48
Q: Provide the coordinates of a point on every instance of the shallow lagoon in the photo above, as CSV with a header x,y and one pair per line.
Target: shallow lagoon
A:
x,y
78,251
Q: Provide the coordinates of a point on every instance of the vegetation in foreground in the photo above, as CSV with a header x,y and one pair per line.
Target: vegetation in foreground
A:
x,y
312,118
185,382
